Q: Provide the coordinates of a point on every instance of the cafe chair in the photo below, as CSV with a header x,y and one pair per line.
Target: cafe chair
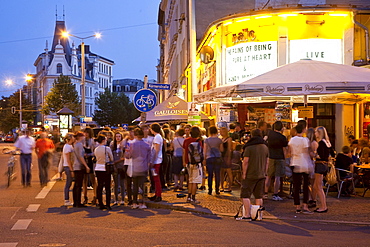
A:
x,y
340,182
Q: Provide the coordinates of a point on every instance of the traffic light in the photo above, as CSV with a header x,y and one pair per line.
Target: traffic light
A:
x,y
13,109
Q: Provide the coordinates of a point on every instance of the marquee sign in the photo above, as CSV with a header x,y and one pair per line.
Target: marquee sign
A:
x,y
247,60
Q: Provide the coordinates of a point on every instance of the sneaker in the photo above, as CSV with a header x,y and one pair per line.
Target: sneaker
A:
x,y
115,203
265,196
122,203
244,219
68,203
276,198
142,206
90,188
134,206
189,200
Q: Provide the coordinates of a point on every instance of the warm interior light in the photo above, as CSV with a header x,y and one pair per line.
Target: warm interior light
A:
x,y
98,35
65,34
337,14
28,78
263,16
242,20
287,15
228,23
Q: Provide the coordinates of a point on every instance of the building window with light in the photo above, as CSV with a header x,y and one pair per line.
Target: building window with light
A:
x,y
59,68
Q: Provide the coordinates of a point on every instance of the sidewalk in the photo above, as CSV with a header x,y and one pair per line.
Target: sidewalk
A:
x,y
345,210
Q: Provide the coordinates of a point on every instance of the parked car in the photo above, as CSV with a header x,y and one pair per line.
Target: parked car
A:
x,y
9,138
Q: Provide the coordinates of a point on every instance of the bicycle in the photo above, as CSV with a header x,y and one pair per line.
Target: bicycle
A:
x,y
143,101
11,164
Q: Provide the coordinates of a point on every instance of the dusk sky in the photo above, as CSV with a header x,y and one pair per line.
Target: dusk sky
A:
x,y
129,34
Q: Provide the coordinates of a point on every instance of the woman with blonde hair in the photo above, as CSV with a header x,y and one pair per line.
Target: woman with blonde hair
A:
x,y
324,150
68,165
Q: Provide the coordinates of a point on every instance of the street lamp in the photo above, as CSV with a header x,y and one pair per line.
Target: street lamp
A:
x,y
10,82
96,35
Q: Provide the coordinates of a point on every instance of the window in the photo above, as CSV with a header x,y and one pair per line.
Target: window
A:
x,y
59,68
75,69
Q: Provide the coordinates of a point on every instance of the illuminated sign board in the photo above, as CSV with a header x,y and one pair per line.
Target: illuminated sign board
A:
x,y
325,50
247,60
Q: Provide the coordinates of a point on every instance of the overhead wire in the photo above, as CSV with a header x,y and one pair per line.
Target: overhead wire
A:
x,y
101,30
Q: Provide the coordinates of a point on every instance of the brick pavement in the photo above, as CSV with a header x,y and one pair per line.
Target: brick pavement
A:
x,y
355,209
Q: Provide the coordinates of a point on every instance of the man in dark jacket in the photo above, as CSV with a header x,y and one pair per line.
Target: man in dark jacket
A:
x,y
253,173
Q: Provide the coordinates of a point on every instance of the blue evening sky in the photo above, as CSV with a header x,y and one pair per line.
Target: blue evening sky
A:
x,y
129,34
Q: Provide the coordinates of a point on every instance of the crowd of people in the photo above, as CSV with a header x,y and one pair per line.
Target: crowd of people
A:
x,y
148,159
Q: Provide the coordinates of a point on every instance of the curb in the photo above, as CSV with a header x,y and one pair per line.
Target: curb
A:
x,y
150,204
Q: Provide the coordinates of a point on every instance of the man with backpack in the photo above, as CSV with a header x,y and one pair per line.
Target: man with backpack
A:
x,y
192,160
255,162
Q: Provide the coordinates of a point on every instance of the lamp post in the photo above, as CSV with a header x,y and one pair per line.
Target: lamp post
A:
x,y
10,82
83,99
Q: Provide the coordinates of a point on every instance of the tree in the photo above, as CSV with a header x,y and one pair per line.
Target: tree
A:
x,y
10,121
63,94
114,109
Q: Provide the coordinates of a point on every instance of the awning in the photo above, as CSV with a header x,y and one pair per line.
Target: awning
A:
x,y
174,109
305,77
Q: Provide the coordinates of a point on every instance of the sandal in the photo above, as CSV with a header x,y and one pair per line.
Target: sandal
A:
x,y
298,211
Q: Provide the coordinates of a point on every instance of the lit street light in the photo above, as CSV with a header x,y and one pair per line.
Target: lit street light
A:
x,y
96,35
10,82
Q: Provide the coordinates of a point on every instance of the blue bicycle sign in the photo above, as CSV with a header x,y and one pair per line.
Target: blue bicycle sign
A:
x,y
145,100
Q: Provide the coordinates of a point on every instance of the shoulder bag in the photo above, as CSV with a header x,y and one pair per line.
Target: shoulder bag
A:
x,y
109,167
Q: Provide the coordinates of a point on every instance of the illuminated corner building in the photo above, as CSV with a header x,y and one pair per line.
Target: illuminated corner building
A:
x,y
63,58
239,40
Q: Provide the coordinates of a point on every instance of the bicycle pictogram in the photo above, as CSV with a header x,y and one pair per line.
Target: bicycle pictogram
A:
x,y
145,101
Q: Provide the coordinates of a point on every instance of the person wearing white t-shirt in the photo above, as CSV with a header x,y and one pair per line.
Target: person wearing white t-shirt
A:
x,y
67,166
156,160
301,162
26,144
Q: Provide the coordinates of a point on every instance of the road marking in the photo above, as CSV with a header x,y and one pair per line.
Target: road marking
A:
x,y
33,207
15,213
21,224
44,192
8,244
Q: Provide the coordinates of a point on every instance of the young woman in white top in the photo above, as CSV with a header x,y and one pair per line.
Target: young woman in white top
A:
x,y
301,163
103,155
68,166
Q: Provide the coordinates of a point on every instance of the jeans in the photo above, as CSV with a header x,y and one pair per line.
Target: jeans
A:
x,y
26,160
129,188
43,171
213,167
77,187
297,181
104,179
119,182
68,182
157,181
138,182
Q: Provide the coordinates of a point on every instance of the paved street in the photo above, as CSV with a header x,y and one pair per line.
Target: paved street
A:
x,y
44,222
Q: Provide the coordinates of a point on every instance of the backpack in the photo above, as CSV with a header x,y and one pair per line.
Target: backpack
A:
x,y
195,152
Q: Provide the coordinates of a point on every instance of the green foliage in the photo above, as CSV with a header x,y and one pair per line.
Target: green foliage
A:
x,y
63,94
10,121
114,109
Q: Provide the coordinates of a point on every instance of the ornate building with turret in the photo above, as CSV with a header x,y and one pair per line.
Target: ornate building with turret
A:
x,y
65,58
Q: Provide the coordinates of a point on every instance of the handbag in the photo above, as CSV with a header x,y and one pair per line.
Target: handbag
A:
x,y
331,177
128,164
109,167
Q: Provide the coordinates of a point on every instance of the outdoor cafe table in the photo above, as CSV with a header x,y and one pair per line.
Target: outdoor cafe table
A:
x,y
365,176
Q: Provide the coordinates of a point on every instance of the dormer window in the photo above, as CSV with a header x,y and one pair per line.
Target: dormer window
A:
x,y
59,68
